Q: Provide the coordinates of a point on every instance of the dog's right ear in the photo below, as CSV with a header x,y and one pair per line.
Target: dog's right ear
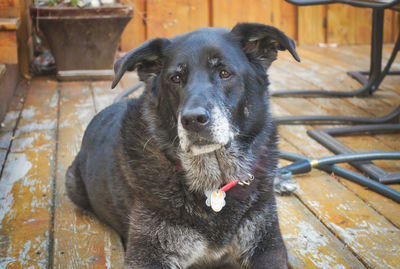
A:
x,y
147,59
263,41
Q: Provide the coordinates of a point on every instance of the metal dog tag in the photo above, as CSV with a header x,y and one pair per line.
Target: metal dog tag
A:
x,y
216,199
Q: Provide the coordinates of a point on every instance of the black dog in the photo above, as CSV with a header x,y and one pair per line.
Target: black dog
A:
x,y
147,166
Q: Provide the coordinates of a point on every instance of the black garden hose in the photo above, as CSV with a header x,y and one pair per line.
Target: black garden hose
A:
x,y
303,164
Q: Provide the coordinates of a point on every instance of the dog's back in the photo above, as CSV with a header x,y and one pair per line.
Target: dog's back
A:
x,y
95,163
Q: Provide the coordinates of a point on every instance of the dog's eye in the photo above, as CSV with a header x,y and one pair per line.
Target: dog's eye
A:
x,y
176,79
224,74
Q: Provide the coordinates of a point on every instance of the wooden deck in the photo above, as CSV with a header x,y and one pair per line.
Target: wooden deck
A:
x,y
329,222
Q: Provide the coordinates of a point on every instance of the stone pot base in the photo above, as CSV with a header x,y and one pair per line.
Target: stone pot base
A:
x,y
68,75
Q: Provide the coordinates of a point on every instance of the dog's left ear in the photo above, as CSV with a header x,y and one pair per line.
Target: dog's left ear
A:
x,y
147,59
263,41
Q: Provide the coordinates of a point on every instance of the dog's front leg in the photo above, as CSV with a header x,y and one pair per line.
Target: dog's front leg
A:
x,y
144,253
271,257
259,243
156,243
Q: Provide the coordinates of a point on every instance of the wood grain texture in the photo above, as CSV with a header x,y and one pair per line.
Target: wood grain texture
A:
x,y
311,30
24,36
80,239
345,24
345,208
9,8
9,24
25,186
272,12
135,31
341,210
169,18
8,47
310,244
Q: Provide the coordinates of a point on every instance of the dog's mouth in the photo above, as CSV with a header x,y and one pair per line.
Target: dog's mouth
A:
x,y
203,146
196,150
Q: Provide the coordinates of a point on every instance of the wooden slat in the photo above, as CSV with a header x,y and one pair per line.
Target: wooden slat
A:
x,y
383,205
9,24
25,190
363,25
80,239
396,25
297,136
9,8
341,210
11,118
252,11
8,47
309,243
272,12
344,106
169,18
311,30
103,95
388,24
24,36
357,58
135,31
341,24
288,19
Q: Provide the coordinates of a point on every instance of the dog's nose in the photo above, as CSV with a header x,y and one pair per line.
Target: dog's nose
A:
x,y
195,119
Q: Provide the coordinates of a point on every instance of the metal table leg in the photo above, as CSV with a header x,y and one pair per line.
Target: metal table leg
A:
x,y
375,74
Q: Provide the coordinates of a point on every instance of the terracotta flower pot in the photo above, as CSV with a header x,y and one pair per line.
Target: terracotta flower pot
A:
x,y
82,40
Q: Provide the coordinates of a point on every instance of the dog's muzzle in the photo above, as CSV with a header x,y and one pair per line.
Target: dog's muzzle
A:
x,y
201,131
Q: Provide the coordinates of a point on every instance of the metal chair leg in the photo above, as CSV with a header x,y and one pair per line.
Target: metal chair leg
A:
x,y
376,75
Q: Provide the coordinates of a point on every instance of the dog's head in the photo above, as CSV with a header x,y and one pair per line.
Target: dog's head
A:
x,y
210,90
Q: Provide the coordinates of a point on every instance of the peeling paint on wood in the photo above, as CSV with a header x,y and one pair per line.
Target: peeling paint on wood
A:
x,y
309,243
25,189
80,239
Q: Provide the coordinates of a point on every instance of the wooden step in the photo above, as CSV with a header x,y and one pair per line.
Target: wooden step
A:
x,y
8,40
8,82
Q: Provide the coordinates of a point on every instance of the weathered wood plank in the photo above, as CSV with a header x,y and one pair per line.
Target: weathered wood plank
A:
x,y
273,12
311,30
388,28
135,31
80,239
325,106
352,58
9,8
341,25
25,186
8,47
310,244
7,130
253,11
169,18
9,24
103,96
359,226
8,125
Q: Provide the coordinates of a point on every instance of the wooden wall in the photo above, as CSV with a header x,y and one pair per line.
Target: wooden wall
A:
x,y
337,23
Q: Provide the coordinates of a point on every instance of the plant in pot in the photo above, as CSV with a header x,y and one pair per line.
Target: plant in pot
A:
x,y
83,35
